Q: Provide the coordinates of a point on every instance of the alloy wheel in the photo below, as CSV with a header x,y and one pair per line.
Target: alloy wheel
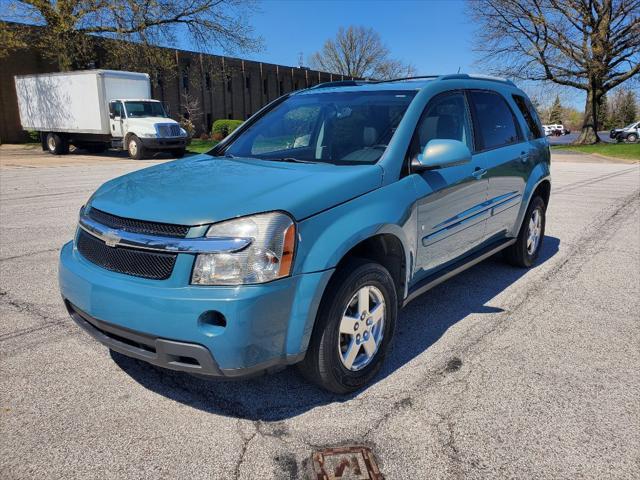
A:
x,y
361,328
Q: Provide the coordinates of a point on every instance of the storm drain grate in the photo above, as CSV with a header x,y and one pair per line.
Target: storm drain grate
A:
x,y
353,463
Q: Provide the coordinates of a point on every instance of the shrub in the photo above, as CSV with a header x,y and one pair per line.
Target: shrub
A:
x,y
222,128
33,136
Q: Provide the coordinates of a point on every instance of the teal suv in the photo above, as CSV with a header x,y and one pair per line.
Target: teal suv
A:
x,y
298,238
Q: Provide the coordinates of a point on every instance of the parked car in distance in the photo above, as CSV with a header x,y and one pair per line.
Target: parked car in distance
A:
x,y
630,133
300,236
555,130
96,110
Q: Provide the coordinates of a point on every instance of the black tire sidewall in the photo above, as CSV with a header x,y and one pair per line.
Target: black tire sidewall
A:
x,y
333,374
530,259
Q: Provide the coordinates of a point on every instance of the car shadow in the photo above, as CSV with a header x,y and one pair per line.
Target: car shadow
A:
x,y
286,394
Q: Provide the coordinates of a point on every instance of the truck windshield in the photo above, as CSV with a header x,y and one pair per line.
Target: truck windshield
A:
x,y
144,109
344,128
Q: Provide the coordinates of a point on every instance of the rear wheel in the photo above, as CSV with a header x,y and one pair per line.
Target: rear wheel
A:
x,y
354,328
526,250
135,148
57,144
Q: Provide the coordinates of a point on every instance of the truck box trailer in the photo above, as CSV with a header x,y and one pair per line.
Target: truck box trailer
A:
x,y
95,110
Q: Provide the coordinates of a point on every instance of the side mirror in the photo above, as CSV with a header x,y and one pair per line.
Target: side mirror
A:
x,y
112,115
442,153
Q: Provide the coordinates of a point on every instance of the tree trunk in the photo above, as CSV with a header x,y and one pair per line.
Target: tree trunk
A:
x,y
589,133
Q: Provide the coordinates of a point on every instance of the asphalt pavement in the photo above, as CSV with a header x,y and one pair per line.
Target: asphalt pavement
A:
x,y
497,373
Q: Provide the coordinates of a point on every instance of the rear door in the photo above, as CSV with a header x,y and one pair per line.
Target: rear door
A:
x,y
505,153
451,216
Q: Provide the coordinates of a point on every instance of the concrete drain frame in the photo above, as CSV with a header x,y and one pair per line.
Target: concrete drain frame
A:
x,y
348,462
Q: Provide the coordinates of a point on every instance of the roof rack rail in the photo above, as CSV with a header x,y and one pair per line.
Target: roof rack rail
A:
x,y
339,83
399,79
466,76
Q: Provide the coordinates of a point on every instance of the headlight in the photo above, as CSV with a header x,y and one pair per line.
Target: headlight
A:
x,y
148,135
183,132
270,255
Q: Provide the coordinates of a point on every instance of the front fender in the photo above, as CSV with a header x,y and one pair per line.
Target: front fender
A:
x,y
325,238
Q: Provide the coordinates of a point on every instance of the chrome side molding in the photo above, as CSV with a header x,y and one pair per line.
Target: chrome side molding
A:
x,y
122,238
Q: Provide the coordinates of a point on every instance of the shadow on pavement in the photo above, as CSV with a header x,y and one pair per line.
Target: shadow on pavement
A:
x,y
286,394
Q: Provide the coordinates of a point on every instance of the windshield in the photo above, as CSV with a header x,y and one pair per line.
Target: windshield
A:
x,y
344,128
631,125
144,109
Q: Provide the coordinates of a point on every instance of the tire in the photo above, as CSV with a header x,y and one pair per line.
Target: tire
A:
x,y
327,358
135,148
523,253
177,153
56,144
632,138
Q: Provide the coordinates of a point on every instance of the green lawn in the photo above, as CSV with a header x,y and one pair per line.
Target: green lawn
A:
x,y
200,146
626,151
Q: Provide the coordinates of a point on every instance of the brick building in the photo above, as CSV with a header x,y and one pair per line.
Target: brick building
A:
x,y
222,87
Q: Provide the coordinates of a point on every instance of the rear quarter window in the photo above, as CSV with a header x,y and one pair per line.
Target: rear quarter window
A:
x,y
530,116
493,120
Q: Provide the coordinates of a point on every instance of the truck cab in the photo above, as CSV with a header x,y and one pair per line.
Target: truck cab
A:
x,y
142,125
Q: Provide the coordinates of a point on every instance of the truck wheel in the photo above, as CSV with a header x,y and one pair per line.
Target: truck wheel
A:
x,y
56,144
353,329
178,153
526,250
632,138
135,148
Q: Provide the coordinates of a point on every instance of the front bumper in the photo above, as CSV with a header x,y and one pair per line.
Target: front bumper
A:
x,y
164,143
267,325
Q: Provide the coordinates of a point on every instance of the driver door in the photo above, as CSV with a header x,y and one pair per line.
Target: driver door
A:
x,y
451,221
116,118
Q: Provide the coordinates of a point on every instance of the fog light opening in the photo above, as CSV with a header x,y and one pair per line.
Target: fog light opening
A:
x,y
214,318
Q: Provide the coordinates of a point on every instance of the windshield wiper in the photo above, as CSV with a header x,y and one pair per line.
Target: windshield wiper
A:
x,y
290,160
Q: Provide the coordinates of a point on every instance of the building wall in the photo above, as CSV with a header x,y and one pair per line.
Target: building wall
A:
x,y
224,87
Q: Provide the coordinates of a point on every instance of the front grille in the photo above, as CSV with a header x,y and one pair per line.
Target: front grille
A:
x,y
139,263
137,226
169,130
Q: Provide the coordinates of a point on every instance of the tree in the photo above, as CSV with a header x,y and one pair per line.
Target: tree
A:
x,y
592,45
359,52
556,112
628,112
603,113
68,25
623,109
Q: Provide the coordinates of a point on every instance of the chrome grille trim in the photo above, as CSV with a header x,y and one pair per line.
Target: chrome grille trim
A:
x,y
122,238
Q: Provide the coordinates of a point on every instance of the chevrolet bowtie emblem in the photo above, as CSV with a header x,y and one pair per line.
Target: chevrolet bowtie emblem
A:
x,y
111,238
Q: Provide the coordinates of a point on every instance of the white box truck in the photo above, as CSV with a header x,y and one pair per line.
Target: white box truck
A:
x,y
96,110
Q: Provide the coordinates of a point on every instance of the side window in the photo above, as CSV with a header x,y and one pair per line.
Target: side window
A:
x,y
116,109
493,120
445,117
530,116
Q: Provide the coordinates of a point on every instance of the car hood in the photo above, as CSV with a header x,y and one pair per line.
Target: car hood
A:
x,y
150,122
205,189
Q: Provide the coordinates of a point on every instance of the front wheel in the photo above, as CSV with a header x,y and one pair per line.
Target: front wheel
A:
x,y
632,138
135,148
354,328
526,250
179,153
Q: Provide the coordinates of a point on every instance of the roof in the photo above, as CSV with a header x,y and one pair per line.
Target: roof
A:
x,y
409,83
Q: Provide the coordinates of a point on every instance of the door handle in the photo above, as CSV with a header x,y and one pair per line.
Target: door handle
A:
x,y
478,173
524,157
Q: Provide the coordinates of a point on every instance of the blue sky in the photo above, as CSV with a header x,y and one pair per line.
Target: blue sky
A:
x,y
435,36
414,30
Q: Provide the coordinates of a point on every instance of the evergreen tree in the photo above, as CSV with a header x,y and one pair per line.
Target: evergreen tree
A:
x,y
555,114
628,111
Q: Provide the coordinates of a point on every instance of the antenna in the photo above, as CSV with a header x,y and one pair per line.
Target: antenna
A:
x,y
300,59
458,69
